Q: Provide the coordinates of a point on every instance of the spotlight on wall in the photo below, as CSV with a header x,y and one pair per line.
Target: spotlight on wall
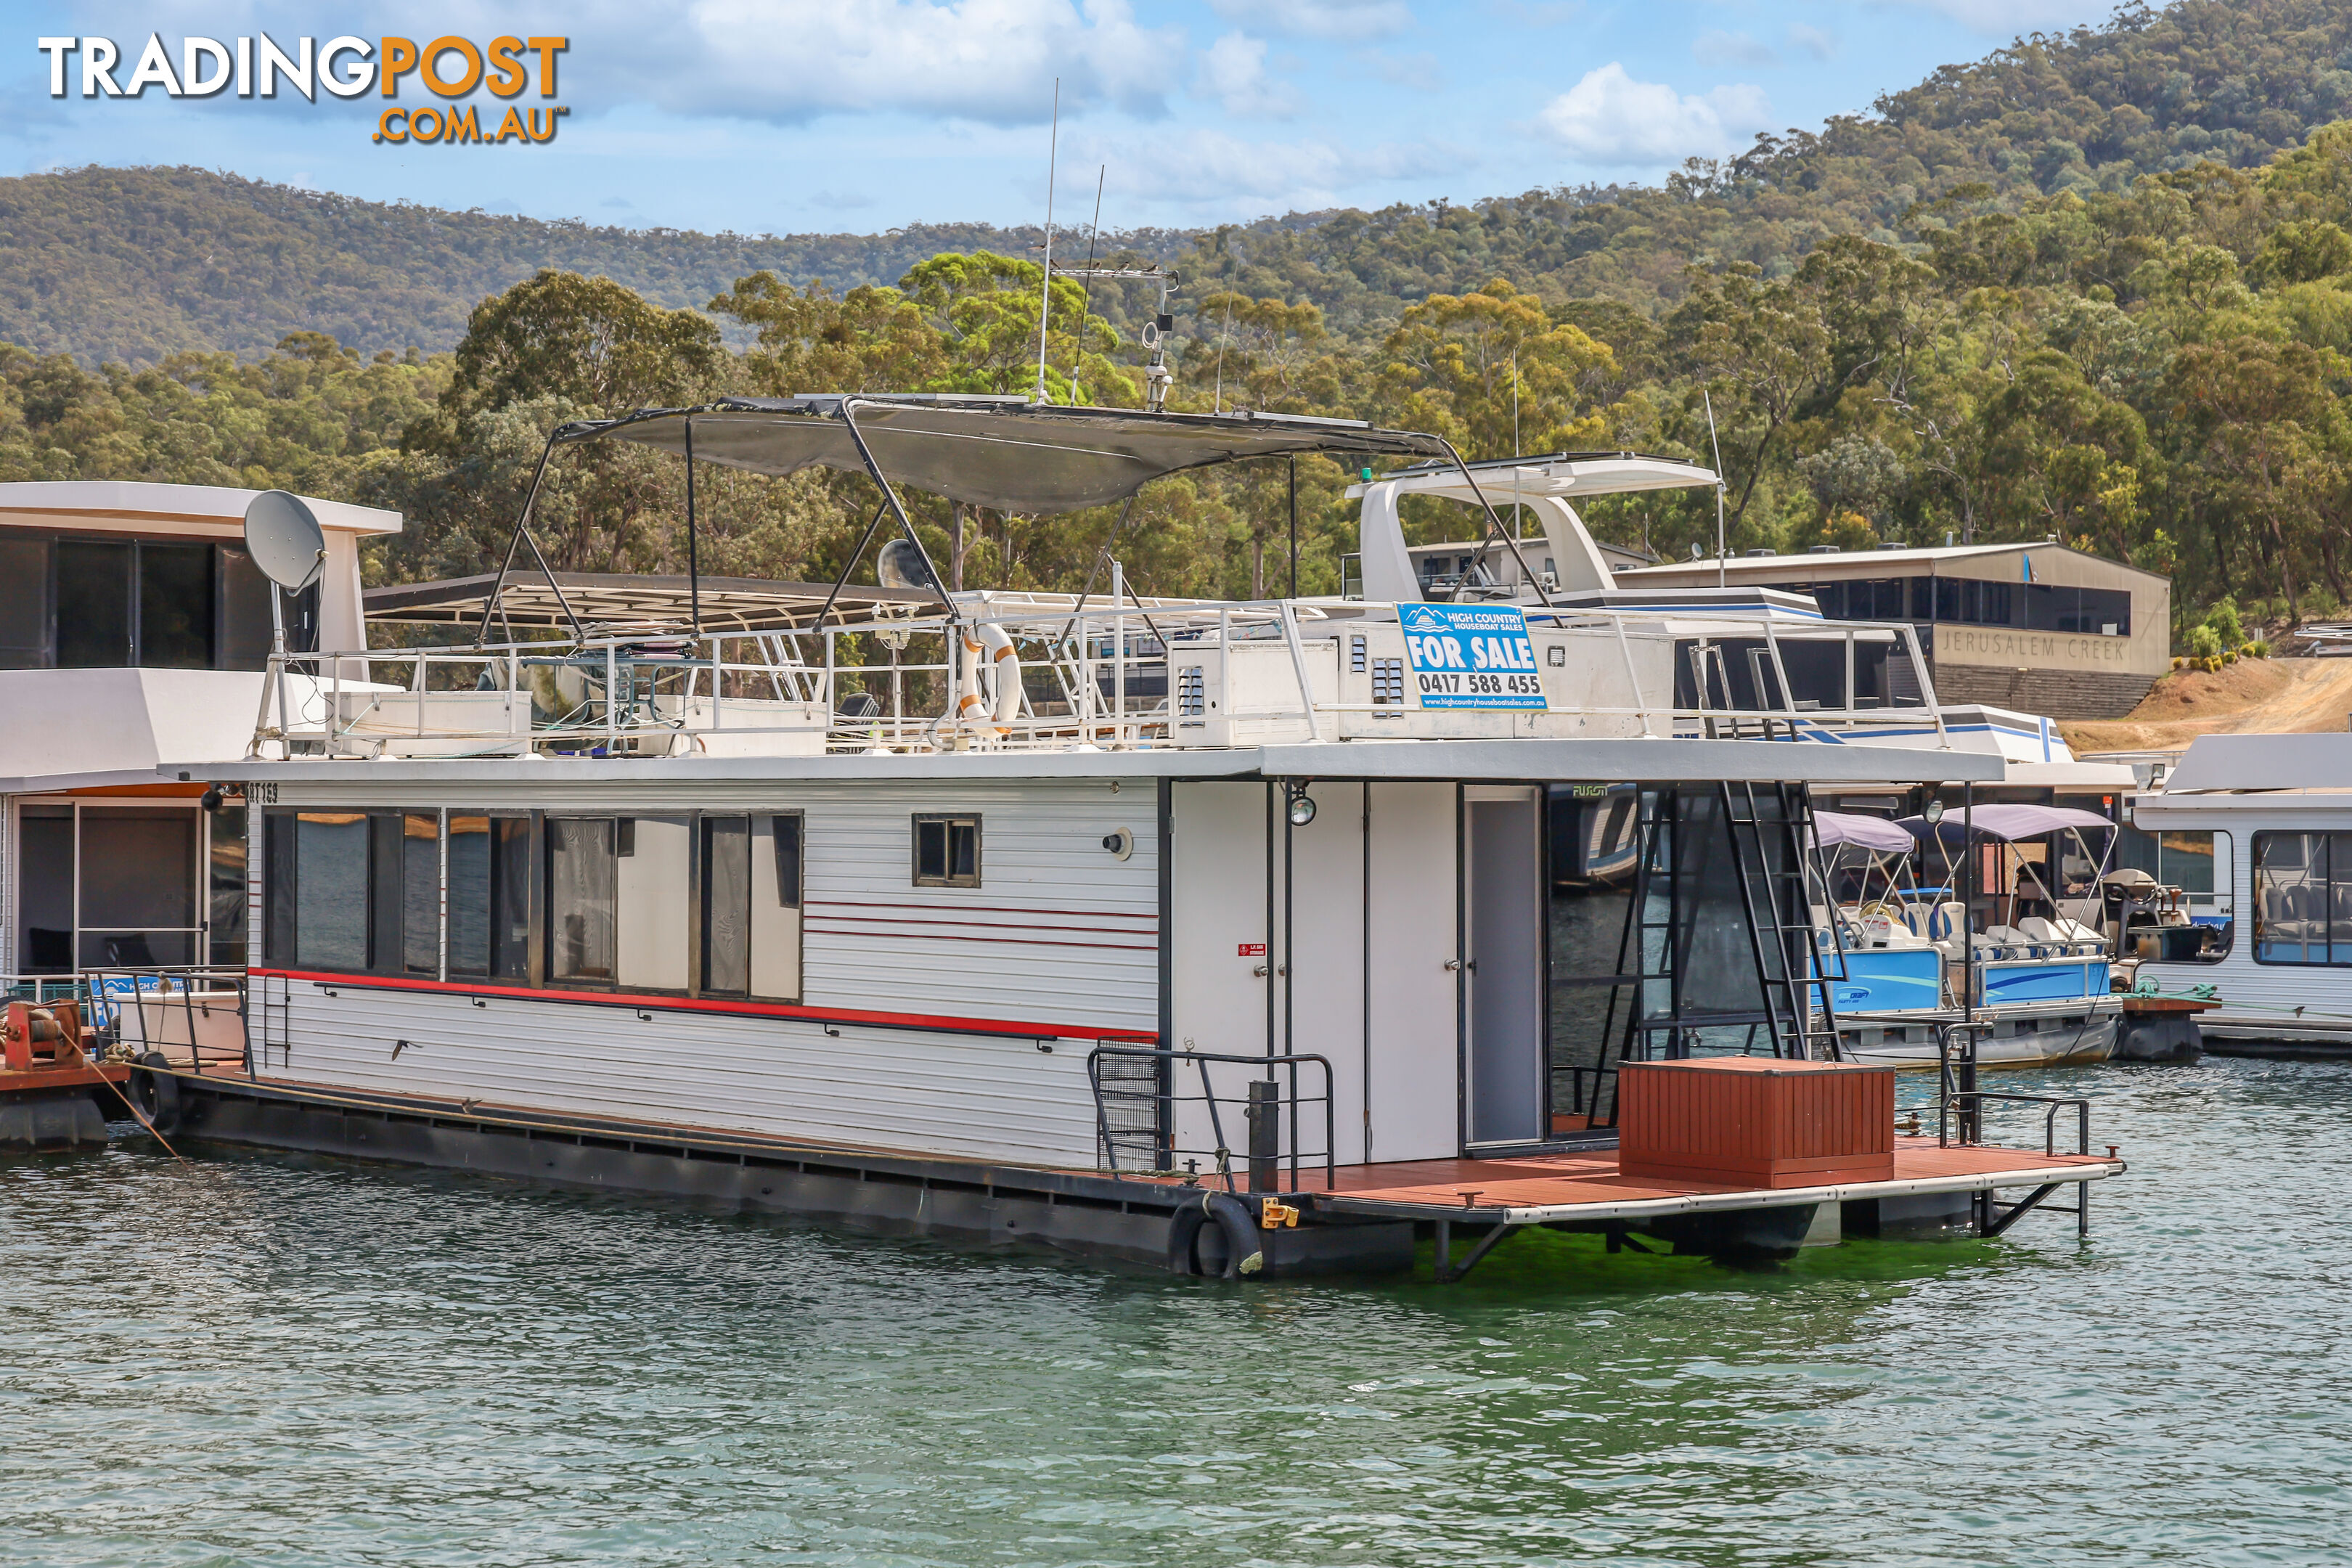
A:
x,y
1302,805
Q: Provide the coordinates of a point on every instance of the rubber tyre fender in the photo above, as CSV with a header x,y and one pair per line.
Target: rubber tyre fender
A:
x,y
1184,1231
1243,1252
157,1093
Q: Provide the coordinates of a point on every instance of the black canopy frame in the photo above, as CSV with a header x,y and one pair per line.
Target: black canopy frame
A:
x,y
1005,452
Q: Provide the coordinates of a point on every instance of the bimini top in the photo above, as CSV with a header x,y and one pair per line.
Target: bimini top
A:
x,y
1002,452
2002,823
1835,827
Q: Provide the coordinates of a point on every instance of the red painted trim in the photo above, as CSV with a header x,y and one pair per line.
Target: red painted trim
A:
x,y
984,909
1015,1028
974,925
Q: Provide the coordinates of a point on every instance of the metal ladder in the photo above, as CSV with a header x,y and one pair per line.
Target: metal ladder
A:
x,y
271,1004
1769,848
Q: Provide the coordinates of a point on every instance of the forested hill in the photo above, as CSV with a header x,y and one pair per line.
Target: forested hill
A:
x,y
132,265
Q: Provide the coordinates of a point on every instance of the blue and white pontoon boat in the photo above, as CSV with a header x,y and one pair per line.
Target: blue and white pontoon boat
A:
x,y
1920,947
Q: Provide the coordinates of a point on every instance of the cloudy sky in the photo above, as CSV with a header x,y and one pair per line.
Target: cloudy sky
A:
x,y
788,116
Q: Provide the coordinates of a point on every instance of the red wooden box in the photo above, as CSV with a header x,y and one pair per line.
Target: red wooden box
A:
x,y
1755,1121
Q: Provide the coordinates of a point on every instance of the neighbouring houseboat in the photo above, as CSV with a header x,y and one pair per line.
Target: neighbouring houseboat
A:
x,y
1210,935
2230,886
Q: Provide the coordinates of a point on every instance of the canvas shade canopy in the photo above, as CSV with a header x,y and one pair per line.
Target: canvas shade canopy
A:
x,y
1002,452
2004,823
1832,829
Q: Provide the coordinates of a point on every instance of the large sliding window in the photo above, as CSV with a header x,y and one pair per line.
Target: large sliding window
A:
x,y
72,602
2302,898
592,902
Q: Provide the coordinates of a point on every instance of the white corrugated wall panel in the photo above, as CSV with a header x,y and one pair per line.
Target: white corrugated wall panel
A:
x,y
980,1097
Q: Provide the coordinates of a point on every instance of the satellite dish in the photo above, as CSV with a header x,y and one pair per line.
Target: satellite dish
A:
x,y
900,565
285,540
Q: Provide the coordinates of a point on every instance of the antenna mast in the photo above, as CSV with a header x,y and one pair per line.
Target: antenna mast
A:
x,y
1157,376
1045,284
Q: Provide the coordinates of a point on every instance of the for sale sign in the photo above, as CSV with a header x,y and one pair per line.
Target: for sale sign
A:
x,y
1470,656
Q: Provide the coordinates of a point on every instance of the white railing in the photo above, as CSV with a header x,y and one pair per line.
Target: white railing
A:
x,y
1104,676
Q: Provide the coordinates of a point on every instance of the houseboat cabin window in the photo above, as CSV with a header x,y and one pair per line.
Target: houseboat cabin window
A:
x,y
328,873
2302,898
947,851
69,603
582,888
420,892
2198,924
752,906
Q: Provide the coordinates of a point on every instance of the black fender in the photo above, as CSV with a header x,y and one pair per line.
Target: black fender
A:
x,y
1243,1252
156,1093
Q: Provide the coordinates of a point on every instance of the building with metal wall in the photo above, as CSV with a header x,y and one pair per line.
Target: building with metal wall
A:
x,y
2040,628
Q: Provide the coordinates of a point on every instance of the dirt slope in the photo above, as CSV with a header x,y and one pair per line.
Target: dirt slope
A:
x,y
2269,695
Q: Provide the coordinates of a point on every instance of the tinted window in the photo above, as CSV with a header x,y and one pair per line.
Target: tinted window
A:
x,y
330,889
175,606
244,612
93,604
947,851
44,888
24,602
420,894
228,885
510,898
727,904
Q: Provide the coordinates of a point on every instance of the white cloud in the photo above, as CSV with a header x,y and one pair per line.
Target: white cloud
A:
x,y
1232,71
993,60
1209,169
1319,19
1714,47
1610,120
1812,42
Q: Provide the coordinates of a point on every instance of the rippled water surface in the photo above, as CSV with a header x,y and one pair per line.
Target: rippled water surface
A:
x,y
245,1361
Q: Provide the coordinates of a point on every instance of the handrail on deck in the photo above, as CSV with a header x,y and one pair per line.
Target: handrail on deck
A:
x,y
1264,1113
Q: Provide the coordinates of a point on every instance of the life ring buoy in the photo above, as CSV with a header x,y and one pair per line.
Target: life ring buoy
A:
x,y
156,1093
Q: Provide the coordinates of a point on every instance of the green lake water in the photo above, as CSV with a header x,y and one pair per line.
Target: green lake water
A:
x,y
252,1361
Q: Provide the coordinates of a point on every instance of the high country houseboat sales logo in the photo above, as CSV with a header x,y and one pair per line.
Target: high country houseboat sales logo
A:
x,y
448,68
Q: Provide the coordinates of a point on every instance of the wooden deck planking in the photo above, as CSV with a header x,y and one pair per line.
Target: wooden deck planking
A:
x,y
1552,1179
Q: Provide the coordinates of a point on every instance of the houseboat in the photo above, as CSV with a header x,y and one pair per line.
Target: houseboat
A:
x,y
2238,841
1212,936
136,632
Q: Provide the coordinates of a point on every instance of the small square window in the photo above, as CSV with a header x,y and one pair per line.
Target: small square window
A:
x,y
947,851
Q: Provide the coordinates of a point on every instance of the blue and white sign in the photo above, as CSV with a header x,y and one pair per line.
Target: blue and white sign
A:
x,y
1472,656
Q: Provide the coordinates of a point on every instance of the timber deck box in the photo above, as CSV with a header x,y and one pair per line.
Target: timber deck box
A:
x,y
1757,1121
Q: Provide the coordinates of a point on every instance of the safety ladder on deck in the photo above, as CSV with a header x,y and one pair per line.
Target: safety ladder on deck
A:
x,y
269,1024
1772,836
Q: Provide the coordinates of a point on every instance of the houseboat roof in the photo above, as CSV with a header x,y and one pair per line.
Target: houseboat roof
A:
x,y
1568,475
1500,761
2262,764
1005,452
129,505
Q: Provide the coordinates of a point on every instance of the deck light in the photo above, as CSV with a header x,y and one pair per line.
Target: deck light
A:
x,y
1302,805
1933,811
